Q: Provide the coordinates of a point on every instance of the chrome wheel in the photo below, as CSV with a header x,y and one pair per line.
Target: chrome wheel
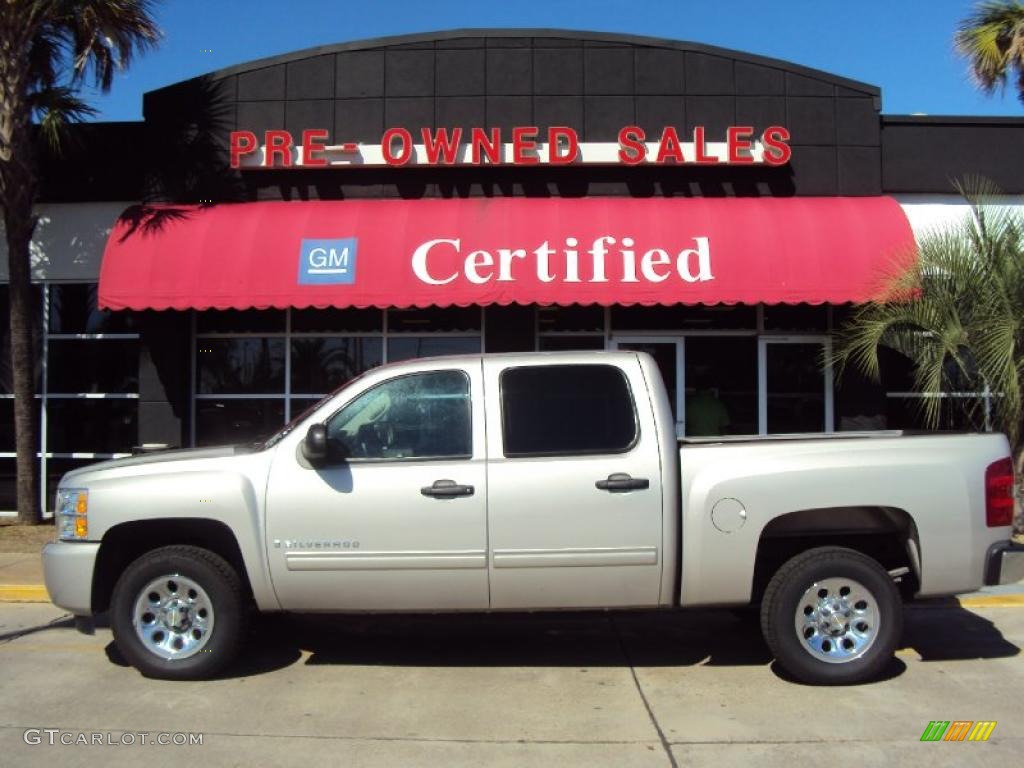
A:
x,y
837,620
173,617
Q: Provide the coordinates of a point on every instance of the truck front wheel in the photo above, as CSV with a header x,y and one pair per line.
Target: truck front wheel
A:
x,y
177,613
832,616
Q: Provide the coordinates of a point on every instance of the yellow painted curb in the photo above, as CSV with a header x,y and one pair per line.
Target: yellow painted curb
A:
x,y
23,593
993,601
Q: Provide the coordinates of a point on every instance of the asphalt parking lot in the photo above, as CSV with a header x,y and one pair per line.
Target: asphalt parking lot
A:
x,y
693,689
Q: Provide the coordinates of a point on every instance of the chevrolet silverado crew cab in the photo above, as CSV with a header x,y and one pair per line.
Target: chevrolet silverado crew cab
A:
x,y
530,482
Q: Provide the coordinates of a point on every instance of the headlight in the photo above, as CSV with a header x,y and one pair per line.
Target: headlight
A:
x,y
72,513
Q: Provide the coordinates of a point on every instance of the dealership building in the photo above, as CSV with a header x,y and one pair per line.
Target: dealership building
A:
x,y
269,231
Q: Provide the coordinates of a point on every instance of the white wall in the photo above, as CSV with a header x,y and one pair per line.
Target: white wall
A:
x,y
927,212
69,240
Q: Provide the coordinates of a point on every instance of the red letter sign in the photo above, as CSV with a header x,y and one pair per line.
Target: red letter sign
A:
x,y
632,150
700,147
670,148
439,145
572,145
278,143
242,143
482,145
524,145
312,141
385,144
776,149
737,137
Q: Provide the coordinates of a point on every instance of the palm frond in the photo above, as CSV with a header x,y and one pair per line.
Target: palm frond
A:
x,y
104,35
55,108
991,38
957,315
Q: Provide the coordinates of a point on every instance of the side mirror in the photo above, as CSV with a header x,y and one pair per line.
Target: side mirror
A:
x,y
314,447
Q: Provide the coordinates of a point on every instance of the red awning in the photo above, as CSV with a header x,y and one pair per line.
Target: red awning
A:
x,y
401,253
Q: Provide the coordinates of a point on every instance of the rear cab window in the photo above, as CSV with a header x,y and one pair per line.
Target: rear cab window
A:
x,y
567,410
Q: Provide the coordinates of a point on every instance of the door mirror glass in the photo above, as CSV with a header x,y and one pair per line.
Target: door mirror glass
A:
x,y
314,447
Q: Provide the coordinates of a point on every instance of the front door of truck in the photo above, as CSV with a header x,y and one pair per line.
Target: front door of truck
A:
x,y
396,518
575,484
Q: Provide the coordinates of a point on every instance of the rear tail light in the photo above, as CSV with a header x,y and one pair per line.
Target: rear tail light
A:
x,y
999,493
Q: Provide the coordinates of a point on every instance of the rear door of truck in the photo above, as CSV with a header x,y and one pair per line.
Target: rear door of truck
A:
x,y
574,483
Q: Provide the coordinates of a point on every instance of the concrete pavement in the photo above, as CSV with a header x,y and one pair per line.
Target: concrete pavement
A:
x,y
592,689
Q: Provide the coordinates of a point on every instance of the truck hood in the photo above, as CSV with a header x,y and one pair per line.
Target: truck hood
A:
x,y
159,457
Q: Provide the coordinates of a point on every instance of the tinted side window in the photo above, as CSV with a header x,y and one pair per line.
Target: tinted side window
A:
x,y
566,409
420,416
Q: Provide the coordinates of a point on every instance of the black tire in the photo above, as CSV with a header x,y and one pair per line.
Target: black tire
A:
x,y
824,632
223,606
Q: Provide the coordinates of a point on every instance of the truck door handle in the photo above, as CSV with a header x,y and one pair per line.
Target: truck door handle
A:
x,y
619,482
446,489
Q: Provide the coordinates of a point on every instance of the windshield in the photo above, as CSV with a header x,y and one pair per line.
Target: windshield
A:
x,y
276,437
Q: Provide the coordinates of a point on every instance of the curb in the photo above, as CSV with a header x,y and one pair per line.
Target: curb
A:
x,y
23,593
992,601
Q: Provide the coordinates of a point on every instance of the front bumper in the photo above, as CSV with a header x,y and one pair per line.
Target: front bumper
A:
x,y
1004,563
67,571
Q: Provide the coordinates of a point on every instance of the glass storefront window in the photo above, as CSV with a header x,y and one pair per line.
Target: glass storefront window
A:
x,y
321,364
796,388
8,485
574,318
408,347
87,365
240,366
569,343
240,321
338,321
721,386
73,309
796,317
225,422
79,425
718,317
6,382
434,320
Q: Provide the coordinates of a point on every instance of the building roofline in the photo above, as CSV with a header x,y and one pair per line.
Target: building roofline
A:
x,y
951,120
583,35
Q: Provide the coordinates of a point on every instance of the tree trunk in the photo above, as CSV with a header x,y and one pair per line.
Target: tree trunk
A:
x,y
23,365
17,196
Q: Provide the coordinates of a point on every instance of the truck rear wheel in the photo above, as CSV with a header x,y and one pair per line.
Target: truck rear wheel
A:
x,y
177,613
832,616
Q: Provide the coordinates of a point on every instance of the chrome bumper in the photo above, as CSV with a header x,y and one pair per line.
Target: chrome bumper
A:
x,y
67,571
1004,564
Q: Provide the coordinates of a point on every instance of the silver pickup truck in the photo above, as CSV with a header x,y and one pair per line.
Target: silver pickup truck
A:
x,y
530,482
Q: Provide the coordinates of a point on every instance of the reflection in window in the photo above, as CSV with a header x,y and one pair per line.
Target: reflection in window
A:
x,y
228,422
796,388
423,416
721,386
241,366
321,364
87,365
74,309
79,425
408,347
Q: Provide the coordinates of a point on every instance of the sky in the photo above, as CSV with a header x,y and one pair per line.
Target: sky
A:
x,y
902,46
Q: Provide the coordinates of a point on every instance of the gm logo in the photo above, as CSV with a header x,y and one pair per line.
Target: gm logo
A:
x,y
327,262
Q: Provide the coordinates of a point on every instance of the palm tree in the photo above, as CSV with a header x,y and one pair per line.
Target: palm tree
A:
x,y
47,50
992,39
957,314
